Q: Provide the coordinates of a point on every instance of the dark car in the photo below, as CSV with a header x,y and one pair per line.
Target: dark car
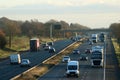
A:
x,y
44,45
88,51
76,51
52,50
50,43
83,57
90,43
46,48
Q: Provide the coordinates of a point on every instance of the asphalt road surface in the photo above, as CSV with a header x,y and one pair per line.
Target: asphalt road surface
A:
x,y
8,71
108,72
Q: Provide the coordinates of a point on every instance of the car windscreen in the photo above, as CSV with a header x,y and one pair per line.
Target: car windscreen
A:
x,y
72,67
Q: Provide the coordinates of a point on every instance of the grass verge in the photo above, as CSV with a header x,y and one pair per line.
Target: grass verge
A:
x,y
20,44
117,49
44,67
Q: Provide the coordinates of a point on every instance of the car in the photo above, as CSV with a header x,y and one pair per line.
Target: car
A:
x,y
25,62
47,47
90,43
76,51
88,51
50,43
44,45
52,50
66,59
83,57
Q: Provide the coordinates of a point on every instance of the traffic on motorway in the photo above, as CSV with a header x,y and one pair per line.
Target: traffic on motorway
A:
x,y
9,70
84,63
87,62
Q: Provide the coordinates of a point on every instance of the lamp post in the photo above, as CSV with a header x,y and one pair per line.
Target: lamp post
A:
x,y
51,32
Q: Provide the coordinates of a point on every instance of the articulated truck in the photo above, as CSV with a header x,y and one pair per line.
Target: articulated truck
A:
x,y
94,38
34,44
97,56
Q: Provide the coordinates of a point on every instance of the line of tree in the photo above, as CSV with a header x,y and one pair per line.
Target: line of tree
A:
x,y
32,28
115,30
3,40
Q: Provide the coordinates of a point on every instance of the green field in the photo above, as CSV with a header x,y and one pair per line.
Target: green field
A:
x,y
20,44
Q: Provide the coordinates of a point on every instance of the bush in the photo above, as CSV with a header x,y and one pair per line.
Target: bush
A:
x,y
3,41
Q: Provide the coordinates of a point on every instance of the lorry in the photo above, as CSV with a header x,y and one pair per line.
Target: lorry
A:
x,y
102,37
97,57
34,44
15,59
72,68
97,49
94,38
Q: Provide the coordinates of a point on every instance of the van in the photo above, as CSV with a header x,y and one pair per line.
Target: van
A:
x,y
15,58
72,69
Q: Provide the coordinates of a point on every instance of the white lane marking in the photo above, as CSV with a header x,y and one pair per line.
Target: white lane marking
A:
x,y
104,61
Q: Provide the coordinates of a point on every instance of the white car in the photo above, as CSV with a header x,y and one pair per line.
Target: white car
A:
x,y
66,59
25,62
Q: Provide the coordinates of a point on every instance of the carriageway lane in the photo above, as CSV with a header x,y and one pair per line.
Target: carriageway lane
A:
x,y
8,71
86,71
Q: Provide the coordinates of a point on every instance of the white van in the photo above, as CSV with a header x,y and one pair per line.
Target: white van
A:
x,y
72,69
15,58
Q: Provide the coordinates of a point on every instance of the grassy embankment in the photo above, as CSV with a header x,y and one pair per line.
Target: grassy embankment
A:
x,y
19,44
117,49
46,66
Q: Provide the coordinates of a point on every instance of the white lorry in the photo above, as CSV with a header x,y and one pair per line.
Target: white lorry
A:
x,y
15,58
94,38
72,69
97,57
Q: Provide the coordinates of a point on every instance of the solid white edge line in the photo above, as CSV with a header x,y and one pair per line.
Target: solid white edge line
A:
x,y
104,61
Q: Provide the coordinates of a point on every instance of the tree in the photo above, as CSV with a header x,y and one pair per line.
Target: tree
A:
x,y
3,41
12,29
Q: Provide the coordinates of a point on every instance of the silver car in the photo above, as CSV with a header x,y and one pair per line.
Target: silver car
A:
x,y
66,59
25,62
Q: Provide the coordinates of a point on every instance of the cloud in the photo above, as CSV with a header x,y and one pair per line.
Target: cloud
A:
x,y
61,3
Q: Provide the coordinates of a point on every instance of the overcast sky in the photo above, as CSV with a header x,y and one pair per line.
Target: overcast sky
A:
x,y
91,13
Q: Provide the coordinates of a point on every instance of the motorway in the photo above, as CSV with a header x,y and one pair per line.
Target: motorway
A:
x,y
108,72
8,71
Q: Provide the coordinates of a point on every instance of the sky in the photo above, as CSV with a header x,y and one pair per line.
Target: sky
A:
x,y
90,13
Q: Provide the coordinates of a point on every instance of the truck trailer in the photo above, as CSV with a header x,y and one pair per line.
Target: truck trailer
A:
x,y
97,56
34,44
94,38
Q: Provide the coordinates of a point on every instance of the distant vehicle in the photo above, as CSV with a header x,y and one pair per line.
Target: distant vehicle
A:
x,y
97,56
97,60
94,38
88,51
66,59
102,37
83,57
76,51
52,50
44,45
50,43
47,48
98,49
90,43
72,68
34,44
15,58
25,62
